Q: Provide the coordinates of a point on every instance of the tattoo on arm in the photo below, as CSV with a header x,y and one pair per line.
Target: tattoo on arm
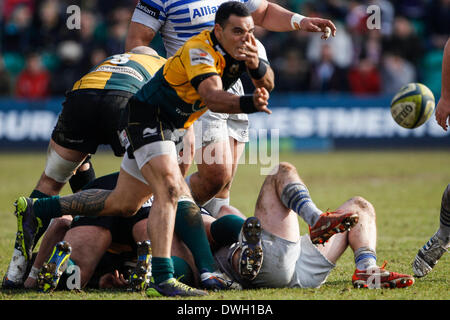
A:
x,y
84,203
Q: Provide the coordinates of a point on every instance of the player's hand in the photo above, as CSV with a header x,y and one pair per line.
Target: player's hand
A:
x,y
251,53
261,100
443,113
317,25
112,280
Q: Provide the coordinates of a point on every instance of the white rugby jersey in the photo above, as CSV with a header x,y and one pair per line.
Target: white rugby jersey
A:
x,y
179,20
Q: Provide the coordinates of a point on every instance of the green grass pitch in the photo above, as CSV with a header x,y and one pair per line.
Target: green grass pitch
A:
x,y
405,187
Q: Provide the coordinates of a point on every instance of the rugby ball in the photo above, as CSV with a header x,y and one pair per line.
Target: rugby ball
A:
x,y
413,105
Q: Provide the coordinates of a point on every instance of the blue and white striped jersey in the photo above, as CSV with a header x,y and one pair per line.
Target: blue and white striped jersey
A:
x,y
179,20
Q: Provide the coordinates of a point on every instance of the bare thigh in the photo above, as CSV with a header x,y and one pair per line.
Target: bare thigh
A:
x,y
274,216
363,234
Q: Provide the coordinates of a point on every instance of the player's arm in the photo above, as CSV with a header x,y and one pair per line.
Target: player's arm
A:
x,y
273,17
259,70
138,35
218,100
443,106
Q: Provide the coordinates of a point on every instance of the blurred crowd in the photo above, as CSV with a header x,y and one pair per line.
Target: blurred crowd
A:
x,y
42,56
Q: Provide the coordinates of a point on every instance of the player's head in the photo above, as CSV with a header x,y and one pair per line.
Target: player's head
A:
x,y
144,50
233,28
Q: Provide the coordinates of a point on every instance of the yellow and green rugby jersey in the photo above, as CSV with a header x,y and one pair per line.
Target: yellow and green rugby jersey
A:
x,y
173,90
126,72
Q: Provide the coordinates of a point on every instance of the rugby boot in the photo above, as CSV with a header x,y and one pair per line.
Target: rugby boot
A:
x,y
51,271
251,254
428,256
141,274
171,288
217,281
27,228
330,223
379,277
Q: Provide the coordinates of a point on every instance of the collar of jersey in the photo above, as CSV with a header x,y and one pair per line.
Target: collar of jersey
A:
x,y
218,47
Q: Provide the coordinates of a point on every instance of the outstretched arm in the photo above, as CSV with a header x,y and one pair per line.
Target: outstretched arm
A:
x,y
443,106
218,100
273,17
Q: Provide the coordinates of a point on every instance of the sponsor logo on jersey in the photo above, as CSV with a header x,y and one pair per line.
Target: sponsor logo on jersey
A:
x,y
122,70
199,56
201,13
146,8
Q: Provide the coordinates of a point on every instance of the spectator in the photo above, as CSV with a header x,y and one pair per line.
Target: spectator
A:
x,y
326,75
69,70
33,82
396,72
5,80
438,23
17,30
293,72
364,77
404,41
117,30
47,27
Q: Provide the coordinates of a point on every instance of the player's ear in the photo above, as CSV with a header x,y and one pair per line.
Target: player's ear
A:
x,y
218,30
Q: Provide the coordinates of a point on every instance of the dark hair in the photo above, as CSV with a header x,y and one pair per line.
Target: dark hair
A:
x,y
226,9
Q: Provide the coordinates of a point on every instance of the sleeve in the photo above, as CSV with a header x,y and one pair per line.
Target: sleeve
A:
x,y
262,54
150,13
252,5
199,61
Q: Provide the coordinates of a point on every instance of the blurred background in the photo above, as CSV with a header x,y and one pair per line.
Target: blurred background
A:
x,y
328,94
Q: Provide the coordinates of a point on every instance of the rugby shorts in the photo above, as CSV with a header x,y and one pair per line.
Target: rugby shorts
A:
x,y
291,264
89,118
214,127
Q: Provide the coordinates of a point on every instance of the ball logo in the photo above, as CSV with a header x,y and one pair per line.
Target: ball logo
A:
x,y
406,109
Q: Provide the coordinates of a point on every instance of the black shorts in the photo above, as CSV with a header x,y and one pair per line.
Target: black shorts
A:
x,y
89,118
144,125
120,227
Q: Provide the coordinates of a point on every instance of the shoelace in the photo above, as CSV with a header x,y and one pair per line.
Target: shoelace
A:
x,y
181,285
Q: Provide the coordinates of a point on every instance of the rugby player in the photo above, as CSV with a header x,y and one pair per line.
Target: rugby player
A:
x,y
224,135
182,90
291,260
103,248
434,249
90,117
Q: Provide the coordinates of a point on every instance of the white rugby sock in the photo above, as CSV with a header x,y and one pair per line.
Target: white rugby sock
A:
x,y
296,196
213,206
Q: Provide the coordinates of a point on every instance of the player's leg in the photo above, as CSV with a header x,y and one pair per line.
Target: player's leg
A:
x,y
74,260
429,255
222,198
362,240
54,234
61,164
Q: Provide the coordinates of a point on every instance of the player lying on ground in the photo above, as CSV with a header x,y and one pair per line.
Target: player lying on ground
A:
x,y
434,249
274,232
90,117
88,246
291,260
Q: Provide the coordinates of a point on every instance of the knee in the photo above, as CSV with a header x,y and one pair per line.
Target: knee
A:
x,y
282,169
362,206
216,177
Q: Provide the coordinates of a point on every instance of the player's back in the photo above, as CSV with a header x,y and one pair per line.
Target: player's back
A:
x,y
126,72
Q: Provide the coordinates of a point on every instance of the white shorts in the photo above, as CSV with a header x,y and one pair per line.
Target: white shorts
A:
x,y
291,264
144,154
213,127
